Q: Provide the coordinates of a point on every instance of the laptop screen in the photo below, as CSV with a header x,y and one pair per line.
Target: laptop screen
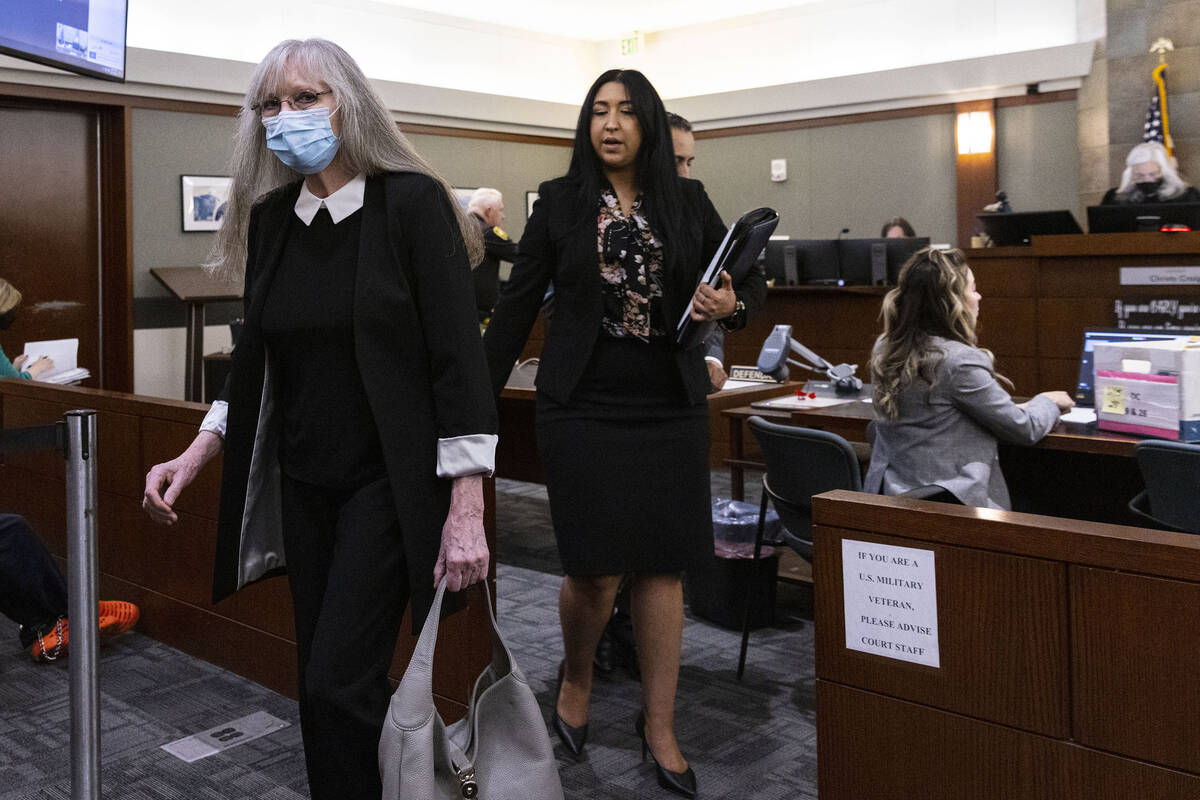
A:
x,y
1085,391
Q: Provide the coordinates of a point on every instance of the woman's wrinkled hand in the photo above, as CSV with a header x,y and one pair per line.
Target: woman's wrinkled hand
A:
x,y
175,475
463,558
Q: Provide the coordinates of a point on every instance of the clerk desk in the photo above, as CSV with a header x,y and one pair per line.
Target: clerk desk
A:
x,y
1077,471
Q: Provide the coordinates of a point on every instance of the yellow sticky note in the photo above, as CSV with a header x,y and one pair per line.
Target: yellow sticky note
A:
x,y
1114,399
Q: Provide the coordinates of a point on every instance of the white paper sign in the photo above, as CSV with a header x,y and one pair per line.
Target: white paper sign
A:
x,y
890,597
1160,276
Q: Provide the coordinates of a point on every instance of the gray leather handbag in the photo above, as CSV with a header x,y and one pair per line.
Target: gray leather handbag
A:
x,y
499,751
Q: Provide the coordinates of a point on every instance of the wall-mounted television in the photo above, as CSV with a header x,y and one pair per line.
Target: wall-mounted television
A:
x,y
84,36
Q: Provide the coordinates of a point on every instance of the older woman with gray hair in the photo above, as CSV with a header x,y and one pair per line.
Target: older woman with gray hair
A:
x,y
1151,176
357,421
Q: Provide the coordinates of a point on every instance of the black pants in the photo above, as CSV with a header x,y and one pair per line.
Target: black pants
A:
x,y
345,563
32,590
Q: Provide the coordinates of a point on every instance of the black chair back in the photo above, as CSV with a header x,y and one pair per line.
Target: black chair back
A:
x,y
1171,472
802,462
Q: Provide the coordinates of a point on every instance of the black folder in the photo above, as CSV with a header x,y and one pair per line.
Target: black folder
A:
x,y
744,240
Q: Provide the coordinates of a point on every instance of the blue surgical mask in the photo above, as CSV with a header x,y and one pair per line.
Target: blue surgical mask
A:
x,y
303,140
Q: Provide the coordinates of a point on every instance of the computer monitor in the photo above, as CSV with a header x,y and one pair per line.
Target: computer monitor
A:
x,y
802,261
1015,227
876,262
1137,217
1084,390
84,36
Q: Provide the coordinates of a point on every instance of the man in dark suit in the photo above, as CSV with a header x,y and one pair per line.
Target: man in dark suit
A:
x,y
487,210
685,155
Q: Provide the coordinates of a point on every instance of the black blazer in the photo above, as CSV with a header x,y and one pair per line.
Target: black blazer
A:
x,y
559,245
416,340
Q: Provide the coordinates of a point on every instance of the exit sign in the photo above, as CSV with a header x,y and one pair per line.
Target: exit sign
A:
x,y
631,45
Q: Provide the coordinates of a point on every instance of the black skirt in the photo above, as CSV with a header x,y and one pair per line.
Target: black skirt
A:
x,y
626,465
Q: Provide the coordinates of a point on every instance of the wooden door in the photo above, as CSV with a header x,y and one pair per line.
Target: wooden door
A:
x,y
49,226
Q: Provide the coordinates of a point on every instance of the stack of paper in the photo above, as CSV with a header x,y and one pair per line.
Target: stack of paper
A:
x,y
64,353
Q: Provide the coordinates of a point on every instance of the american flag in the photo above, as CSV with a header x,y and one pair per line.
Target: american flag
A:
x,y
1157,127
1152,131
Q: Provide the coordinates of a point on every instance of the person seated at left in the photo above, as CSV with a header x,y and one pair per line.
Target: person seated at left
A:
x,y
33,594
21,366
1151,176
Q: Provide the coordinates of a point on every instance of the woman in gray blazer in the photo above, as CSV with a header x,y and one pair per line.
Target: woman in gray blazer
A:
x,y
939,404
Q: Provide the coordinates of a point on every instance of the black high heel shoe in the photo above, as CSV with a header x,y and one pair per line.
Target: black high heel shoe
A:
x,y
574,738
683,783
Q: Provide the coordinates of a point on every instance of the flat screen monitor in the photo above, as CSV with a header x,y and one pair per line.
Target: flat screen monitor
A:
x,y
84,36
1143,217
1015,227
802,261
876,262
1085,394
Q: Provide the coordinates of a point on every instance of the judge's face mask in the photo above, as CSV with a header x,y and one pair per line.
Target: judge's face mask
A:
x,y
303,140
1150,187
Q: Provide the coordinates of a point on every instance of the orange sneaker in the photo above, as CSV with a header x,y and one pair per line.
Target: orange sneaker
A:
x,y
53,645
116,617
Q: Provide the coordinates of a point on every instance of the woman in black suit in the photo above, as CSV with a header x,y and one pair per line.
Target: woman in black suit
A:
x,y
622,421
357,421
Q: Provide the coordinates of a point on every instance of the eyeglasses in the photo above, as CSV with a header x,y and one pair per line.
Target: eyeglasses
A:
x,y
269,106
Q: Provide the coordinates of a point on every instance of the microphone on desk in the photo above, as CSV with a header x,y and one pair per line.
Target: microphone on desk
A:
x,y
837,252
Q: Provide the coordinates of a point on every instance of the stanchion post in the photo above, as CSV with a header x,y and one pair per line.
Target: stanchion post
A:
x,y
82,604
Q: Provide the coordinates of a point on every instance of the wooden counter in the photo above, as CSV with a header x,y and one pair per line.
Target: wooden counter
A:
x,y
167,571
1066,669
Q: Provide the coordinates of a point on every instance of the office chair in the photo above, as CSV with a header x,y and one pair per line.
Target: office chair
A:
x,y
801,462
1171,472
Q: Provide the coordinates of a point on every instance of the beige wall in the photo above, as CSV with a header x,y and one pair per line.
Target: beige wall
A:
x,y
1037,160
512,167
165,145
841,176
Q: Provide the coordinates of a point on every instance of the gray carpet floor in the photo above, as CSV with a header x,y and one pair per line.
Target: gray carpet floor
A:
x,y
750,738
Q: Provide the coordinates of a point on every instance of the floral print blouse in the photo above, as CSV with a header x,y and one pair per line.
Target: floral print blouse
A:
x,y
631,270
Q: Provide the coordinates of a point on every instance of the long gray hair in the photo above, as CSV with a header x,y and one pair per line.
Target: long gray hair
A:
x,y
370,143
1173,183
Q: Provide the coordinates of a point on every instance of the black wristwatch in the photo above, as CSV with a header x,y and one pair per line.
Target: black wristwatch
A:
x,y
734,320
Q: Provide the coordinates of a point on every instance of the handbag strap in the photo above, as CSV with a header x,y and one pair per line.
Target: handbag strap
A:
x,y
414,696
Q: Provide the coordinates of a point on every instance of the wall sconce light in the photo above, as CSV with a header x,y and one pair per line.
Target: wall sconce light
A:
x,y
975,132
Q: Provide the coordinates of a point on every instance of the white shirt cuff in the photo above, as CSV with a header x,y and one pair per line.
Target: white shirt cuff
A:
x,y
715,360
215,419
467,455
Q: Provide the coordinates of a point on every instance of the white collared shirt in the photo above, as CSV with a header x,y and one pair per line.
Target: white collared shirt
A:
x,y
341,204
458,456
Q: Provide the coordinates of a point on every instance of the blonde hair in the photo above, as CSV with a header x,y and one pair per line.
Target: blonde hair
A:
x,y
930,299
370,142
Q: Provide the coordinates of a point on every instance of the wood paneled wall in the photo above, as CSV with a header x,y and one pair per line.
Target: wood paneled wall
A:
x,y
167,571
1066,660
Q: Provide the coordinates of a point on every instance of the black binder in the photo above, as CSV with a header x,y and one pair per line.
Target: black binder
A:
x,y
744,240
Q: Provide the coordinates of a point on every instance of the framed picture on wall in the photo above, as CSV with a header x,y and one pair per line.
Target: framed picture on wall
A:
x,y
205,199
463,196
530,199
